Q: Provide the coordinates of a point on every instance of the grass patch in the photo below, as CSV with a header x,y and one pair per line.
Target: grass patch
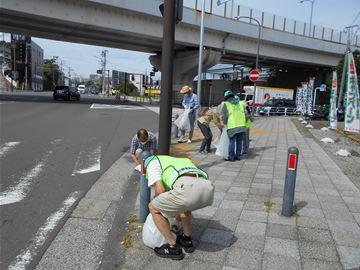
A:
x,y
132,219
268,205
127,241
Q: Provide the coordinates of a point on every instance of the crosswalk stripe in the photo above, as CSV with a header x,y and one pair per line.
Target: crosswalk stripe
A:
x,y
6,147
18,192
88,161
116,107
26,255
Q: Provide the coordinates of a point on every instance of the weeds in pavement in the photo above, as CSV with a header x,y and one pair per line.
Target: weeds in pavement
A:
x,y
268,205
127,241
132,219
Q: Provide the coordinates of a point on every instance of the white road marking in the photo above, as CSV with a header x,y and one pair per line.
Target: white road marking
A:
x,y
18,192
117,107
26,256
88,161
6,147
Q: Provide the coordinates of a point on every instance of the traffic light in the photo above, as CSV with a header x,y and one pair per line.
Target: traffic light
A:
x,y
154,69
152,73
178,10
132,77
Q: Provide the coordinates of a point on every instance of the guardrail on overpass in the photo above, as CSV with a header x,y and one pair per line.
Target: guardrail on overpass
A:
x,y
231,9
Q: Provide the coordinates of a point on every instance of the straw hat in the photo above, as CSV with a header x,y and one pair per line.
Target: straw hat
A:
x,y
185,89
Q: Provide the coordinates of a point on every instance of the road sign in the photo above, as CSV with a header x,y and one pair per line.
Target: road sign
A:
x,y
254,75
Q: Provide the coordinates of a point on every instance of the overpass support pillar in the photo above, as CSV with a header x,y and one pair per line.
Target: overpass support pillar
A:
x,y
185,68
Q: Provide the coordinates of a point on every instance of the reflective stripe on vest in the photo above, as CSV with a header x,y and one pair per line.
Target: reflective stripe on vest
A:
x,y
236,114
172,168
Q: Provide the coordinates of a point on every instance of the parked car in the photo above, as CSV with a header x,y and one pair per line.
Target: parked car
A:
x,y
66,93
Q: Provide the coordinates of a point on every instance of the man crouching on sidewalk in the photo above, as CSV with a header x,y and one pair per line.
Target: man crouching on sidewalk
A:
x,y
180,187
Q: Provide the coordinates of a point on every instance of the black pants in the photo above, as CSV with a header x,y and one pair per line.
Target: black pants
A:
x,y
205,130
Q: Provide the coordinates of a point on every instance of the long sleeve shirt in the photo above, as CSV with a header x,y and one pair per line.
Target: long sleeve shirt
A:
x,y
191,102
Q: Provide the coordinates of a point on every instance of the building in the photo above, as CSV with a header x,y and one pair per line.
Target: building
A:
x,y
5,55
140,81
118,78
27,60
36,67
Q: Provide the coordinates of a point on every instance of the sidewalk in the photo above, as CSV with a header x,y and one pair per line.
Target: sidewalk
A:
x,y
243,229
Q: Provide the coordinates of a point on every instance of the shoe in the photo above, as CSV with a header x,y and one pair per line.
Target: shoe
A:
x,y
181,141
186,242
189,141
202,152
172,252
237,158
230,159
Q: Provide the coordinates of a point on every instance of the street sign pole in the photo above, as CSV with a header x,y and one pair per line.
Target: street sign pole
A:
x,y
166,77
201,50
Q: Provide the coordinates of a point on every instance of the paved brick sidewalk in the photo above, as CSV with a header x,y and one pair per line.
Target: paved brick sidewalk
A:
x,y
243,228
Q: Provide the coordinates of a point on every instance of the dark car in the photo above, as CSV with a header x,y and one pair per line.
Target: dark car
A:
x,y
278,107
66,93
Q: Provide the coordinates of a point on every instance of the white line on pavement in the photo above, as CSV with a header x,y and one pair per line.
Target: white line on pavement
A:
x,y
117,107
6,147
18,192
26,256
93,160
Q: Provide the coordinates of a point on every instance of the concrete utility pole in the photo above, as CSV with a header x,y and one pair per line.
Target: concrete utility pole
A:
x,y
201,45
103,62
349,30
167,60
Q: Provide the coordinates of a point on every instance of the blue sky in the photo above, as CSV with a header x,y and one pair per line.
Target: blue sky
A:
x,y
84,59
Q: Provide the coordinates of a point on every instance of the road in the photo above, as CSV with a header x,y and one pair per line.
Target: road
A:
x,y
48,151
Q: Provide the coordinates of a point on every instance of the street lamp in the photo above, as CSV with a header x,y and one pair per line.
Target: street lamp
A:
x,y
257,52
311,15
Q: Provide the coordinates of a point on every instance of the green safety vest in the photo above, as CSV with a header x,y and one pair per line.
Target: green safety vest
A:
x,y
236,114
172,168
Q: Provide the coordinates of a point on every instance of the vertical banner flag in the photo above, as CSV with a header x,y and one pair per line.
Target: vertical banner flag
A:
x,y
298,98
351,99
304,87
333,102
309,101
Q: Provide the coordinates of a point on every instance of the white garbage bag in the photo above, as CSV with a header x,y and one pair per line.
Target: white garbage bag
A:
x,y
324,129
183,121
303,122
223,147
343,153
309,126
327,140
151,235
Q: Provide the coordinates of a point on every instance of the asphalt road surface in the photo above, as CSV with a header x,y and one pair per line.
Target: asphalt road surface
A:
x,y
48,151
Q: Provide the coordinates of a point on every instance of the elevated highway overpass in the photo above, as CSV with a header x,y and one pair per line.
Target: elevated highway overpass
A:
x,y
137,25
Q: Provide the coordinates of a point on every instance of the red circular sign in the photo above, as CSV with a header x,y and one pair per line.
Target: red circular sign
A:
x,y
254,75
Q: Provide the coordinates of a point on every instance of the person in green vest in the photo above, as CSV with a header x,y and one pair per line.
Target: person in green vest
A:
x,y
180,188
246,141
234,116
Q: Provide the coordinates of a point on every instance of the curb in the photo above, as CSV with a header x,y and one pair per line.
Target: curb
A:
x,y
81,242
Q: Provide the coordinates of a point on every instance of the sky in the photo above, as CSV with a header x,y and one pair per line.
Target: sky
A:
x,y
85,59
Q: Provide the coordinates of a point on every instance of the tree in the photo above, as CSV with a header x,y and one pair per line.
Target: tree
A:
x,y
51,74
130,88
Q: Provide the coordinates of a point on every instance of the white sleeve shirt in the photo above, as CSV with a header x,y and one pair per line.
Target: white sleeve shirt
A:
x,y
154,172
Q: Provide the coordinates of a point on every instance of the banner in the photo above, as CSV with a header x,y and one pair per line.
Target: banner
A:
x,y
351,99
333,102
301,97
309,97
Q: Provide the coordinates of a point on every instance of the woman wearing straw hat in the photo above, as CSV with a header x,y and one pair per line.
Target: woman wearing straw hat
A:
x,y
190,101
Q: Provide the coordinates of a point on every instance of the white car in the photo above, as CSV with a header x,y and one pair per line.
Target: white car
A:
x,y
81,88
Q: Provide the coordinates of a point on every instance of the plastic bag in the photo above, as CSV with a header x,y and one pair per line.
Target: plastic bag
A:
x,y
183,122
151,235
223,147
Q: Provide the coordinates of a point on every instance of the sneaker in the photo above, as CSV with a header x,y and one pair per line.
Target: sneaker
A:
x,y
209,151
189,141
202,152
171,252
181,141
230,159
185,242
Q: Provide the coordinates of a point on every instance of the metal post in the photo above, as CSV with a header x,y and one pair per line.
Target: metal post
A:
x,y
311,16
273,22
314,102
284,26
167,60
144,191
201,50
290,181
294,27
323,33
256,65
